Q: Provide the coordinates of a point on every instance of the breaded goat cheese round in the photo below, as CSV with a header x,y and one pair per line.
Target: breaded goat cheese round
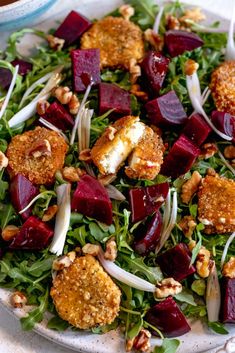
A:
x,y
119,41
85,295
37,154
223,87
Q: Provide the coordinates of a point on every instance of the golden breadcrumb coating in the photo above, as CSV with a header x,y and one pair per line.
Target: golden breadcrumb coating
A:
x,y
85,295
119,41
216,204
27,155
223,87
146,159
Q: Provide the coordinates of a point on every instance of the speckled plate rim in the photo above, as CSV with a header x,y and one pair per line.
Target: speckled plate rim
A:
x,y
199,340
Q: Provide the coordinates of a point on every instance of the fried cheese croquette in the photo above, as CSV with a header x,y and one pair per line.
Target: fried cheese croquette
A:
x,y
223,87
146,159
216,204
85,295
119,41
37,154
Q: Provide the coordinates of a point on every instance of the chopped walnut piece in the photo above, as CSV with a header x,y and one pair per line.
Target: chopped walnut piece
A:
x,y
190,187
211,172
42,107
208,150
139,343
191,245
154,39
135,71
64,261
91,249
54,42
190,67
187,224
3,161
9,232
194,15
18,299
74,104
136,90
63,94
166,287
111,250
229,152
72,174
39,149
50,213
85,155
172,22
203,263
229,268
126,11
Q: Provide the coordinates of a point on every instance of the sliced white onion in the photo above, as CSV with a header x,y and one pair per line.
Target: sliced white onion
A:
x,y
227,245
167,212
84,126
62,219
52,82
89,169
114,193
158,20
53,127
228,165
193,90
9,92
213,295
124,276
230,48
39,196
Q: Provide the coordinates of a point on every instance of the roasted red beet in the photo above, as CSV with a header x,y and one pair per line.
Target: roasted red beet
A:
x,y
5,78
147,200
34,235
6,75
24,66
85,62
168,318
22,191
196,129
59,116
224,122
227,309
166,110
177,42
148,236
175,262
113,97
180,158
73,26
154,69
91,199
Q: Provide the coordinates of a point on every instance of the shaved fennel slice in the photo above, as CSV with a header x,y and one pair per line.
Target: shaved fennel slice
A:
x,y
52,82
158,20
84,126
53,127
62,219
124,276
193,90
114,193
9,92
205,95
228,165
167,210
230,48
227,245
213,295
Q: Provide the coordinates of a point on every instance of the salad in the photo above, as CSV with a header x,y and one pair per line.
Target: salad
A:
x,y
117,192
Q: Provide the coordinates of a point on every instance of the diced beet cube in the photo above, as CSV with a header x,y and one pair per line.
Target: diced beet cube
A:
x,y
166,110
147,200
33,235
91,199
85,62
196,129
154,69
113,97
22,191
24,66
168,318
180,158
227,309
73,26
6,75
175,262
224,122
177,42
59,116
148,235
5,78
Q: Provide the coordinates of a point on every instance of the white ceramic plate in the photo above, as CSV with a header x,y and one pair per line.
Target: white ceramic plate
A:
x,y
200,339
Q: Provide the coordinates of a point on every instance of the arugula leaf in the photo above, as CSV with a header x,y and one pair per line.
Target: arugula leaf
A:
x,y
145,12
185,297
119,77
168,346
58,324
97,232
134,331
196,249
199,286
218,327
7,214
41,266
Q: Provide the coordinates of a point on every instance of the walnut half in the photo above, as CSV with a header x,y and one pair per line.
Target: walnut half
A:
x,y
166,287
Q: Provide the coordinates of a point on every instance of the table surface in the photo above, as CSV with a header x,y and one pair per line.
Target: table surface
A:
x,y
12,339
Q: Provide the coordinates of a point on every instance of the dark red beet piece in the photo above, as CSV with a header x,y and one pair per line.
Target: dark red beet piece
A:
x,y
196,129
85,62
147,200
6,75
113,97
73,26
5,78
154,69
175,262
1,253
224,122
180,158
24,66
227,309
59,116
91,199
168,318
22,191
166,110
148,236
177,42
34,235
